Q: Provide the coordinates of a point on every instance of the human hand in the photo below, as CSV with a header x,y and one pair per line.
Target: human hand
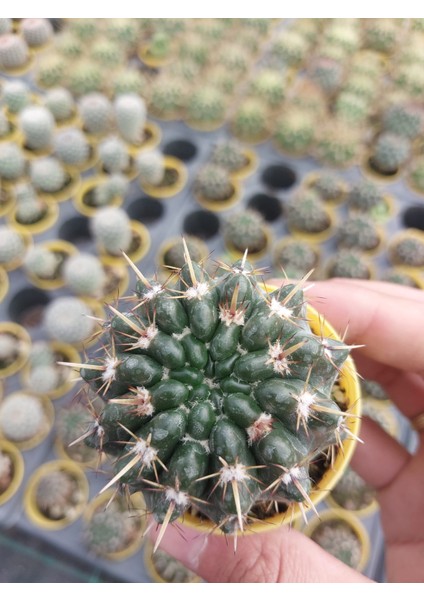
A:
x,y
388,319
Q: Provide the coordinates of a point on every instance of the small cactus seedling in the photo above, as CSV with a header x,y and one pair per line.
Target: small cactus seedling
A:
x,y
29,208
390,153
349,264
290,48
114,155
71,147
130,116
350,108
151,167
108,53
352,492
37,124
43,263
306,212
16,95
337,144
403,119
48,175
58,495
96,112
167,97
10,349
6,471
245,230
416,174
51,71
60,103
219,395
174,255
329,186
295,258
67,319
12,161
5,126
366,197
12,246
343,35
129,81
84,275
270,85
14,52
327,73
381,35
229,154
400,278
339,539
250,122
359,232
43,375
85,77
72,423
206,106
213,183
36,32
408,250
22,417
114,186
295,131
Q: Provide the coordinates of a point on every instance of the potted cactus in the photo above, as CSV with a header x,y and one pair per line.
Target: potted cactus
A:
x,y
407,249
239,160
367,198
257,391
160,176
361,233
31,214
352,493
164,568
71,424
295,257
171,255
308,217
330,186
11,470
388,155
13,247
246,230
100,191
214,188
44,263
26,418
15,346
351,264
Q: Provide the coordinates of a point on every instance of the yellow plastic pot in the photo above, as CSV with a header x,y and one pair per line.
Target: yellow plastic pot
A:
x,y
21,334
18,470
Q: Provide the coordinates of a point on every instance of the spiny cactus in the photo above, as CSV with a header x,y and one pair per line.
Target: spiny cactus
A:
x,y
22,417
351,108
405,120
329,186
57,495
290,48
84,274
212,380
206,106
43,380
390,153
270,85
416,173
128,81
361,85
408,251
37,124
213,183
350,264
51,70
60,103
130,115
352,492
358,231
71,147
296,258
6,471
344,36
96,113
400,278
16,95
295,131
67,44
245,230
366,197
84,29
112,530
174,256
327,73
114,155
193,46
159,46
12,245
47,175
85,77
337,144
167,97
112,230
221,79
36,32
41,354
12,161
114,186
108,53
67,319
123,31
168,569
306,212
29,208
382,34
150,166
72,423
14,52
339,539
9,349
250,120
229,154
42,263
44,375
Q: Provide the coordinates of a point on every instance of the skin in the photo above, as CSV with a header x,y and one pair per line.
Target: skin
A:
x,y
388,320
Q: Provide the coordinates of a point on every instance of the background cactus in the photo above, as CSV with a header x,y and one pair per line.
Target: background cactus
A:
x,y
47,175
12,161
66,319
350,264
339,539
151,167
337,144
245,230
366,197
72,423
130,116
85,77
71,147
360,232
12,246
270,85
112,230
167,97
6,471
408,251
230,155
295,131
174,256
42,263
29,208
406,120
57,495
96,112
170,570
36,32
389,153
37,124
113,154
114,186
329,186
416,173
16,95
306,212
14,52
5,126
10,348
296,258
212,381
111,530
84,274
51,71
206,106
352,493
60,103
22,417
249,122
213,183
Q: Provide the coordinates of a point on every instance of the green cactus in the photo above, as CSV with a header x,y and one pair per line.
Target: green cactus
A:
x,y
358,232
84,29
416,173
114,186
296,258
270,85
5,126
245,230
60,103
390,152
96,113
351,108
12,245
405,120
350,264
130,116
183,70
111,229
47,175
249,122
29,208
44,379
170,570
36,32
37,124
400,278
329,186
352,492
108,53
366,197
84,274
129,81
306,212
210,381
408,251
122,31
51,70
229,154
373,389
167,97
339,539
71,147
213,183
114,155
174,256
67,319
12,161
234,58
221,79
14,52
327,73
345,36
338,144
57,495
85,77
6,471
151,167
16,95
22,417
159,45
381,35
193,46
295,131
72,423
42,263
67,44
206,106
290,48
361,85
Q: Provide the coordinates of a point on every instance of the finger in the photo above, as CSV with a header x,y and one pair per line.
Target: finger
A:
x,y
282,555
384,287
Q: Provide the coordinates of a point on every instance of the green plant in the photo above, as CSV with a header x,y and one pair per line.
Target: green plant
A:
x,y
112,529
213,182
381,34
112,230
37,124
350,264
60,103
295,257
42,263
114,155
351,108
352,492
150,166
5,125
327,73
174,256
389,153
206,105
43,380
36,32
12,245
71,147
290,48
207,382
366,197
373,389
295,131
250,121
16,95
270,85
405,120
57,495
29,208
159,45
245,230
72,423
12,161
408,251
306,212
339,539
85,77
167,97
361,85
51,70
130,116
108,53
69,45
96,113
229,154
129,81
358,231
114,186
47,175
22,417
84,274
343,35
67,319
329,186
14,52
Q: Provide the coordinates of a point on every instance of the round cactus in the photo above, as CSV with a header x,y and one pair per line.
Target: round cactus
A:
x,y
403,120
129,81
344,36
150,166
329,186
29,208
351,108
213,182
250,120
390,153
12,161
14,52
296,258
44,379
193,47
71,147
85,77
306,212
206,106
123,31
6,25
36,32
358,231
381,35
174,256
219,78
42,263
41,354
159,46
57,495
230,155
84,275
167,97
16,95
366,197
108,53
327,73
12,246
115,186
295,131
51,71
170,570
245,230
72,423
130,115
361,85
37,124
408,251
60,103
350,264
9,349
47,175
111,228
339,539
84,29
209,384
111,530
416,173
22,417
290,48
5,126
66,319
67,44
96,113
270,85
114,155
337,144
6,471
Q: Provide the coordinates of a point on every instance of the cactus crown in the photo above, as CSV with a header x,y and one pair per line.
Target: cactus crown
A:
x,y
245,230
222,393
339,539
306,212
21,417
57,495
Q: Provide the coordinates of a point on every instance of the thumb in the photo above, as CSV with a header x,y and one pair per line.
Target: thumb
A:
x,y
281,555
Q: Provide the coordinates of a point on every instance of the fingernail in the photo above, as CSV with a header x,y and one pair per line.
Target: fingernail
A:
x,y
186,546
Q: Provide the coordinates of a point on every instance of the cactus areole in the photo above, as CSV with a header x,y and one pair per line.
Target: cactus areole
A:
x,y
219,399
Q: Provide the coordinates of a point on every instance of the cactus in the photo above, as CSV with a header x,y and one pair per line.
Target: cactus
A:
x,y
270,85
72,423
5,126
6,472
37,124
210,381
306,212
111,530
43,380
29,208
400,278
404,120
12,245
410,79
221,79
112,230
129,81
84,275
67,44
245,230
183,70
41,354
234,58
43,263
206,106
71,147
250,120
14,52
58,495
230,155
36,32
45,375
108,53
6,25
85,77
416,173
84,29
151,167
159,46
327,73
361,85
115,186
114,155
170,570
329,186
295,131
193,47
122,31
390,153
344,36
408,251
66,319
22,417
351,108
366,197
213,183
373,389
47,175
16,95
174,256
381,35
296,258
337,144
290,48
130,115
60,103
349,264
96,113
10,348
339,539
359,232
167,97
12,161
51,71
